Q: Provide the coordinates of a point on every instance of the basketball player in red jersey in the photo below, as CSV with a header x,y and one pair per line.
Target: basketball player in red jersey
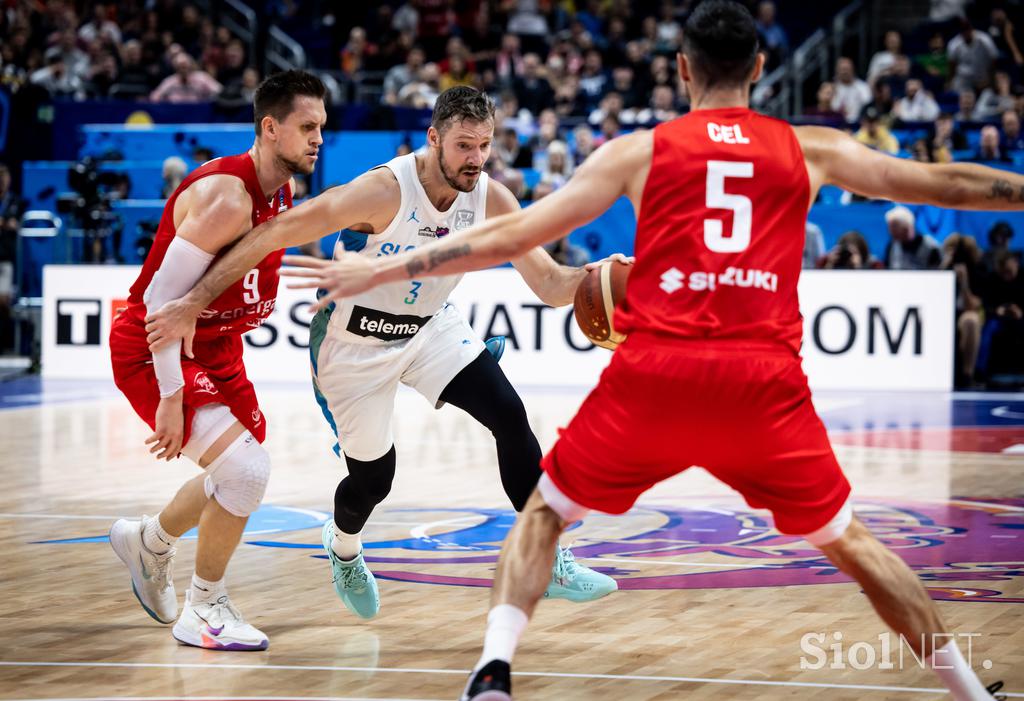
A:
x,y
204,406
710,372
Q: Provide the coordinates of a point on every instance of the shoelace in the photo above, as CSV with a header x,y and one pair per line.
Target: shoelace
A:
x,y
352,577
161,569
222,609
565,565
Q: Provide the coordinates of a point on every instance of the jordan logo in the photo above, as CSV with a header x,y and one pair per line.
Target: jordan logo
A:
x,y
412,216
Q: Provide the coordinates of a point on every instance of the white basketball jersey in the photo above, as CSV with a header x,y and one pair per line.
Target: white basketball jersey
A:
x,y
396,311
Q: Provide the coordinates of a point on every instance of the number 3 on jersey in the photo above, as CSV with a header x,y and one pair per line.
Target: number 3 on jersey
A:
x,y
718,198
251,283
414,293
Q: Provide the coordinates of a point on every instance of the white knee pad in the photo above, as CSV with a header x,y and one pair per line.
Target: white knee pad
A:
x,y
209,423
238,477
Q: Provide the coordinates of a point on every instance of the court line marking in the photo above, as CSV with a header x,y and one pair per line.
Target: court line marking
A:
x,y
559,675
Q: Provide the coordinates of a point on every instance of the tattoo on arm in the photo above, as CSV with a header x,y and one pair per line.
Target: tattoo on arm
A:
x,y
440,257
1003,190
434,259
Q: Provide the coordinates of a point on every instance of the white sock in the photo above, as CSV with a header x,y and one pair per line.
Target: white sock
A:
x,y
948,662
155,538
347,546
204,592
505,623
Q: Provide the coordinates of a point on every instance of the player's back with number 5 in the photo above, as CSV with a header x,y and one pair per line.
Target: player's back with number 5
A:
x,y
720,231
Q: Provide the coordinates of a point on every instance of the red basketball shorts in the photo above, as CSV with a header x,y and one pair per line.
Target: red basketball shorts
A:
x,y
215,376
741,410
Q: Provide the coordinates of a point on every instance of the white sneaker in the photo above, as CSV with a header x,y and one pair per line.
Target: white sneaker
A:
x,y
151,574
216,626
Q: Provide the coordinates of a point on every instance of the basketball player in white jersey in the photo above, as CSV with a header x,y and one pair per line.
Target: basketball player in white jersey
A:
x,y
363,347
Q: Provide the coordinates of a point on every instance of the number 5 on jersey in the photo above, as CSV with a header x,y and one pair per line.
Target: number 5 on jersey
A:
x,y
718,198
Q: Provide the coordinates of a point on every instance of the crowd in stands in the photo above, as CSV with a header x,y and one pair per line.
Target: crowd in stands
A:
x,y
568,75
164,52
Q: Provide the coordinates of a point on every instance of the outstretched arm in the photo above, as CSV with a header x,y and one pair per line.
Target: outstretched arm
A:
x,y
366,199
610,172
833,158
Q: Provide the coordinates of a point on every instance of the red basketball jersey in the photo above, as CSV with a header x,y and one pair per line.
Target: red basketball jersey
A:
x,y
720,233
249,301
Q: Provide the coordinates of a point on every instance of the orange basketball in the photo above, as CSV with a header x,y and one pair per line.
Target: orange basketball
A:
x,y
595,301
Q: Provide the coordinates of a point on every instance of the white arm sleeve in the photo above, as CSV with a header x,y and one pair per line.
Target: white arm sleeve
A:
x,y
184,263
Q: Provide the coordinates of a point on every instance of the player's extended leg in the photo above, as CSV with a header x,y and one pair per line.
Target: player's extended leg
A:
x,y
482,390
368,483
903,603
520,582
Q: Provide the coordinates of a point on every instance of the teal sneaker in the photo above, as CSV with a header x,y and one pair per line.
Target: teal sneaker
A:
x,y
575,582
353,581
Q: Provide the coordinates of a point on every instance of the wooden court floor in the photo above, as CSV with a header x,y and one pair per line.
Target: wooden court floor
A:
x,y
712,603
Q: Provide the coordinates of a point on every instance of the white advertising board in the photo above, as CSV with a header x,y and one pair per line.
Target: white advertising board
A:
x,y
874,330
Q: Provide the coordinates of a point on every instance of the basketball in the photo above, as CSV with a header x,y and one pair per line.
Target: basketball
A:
x,y
596,298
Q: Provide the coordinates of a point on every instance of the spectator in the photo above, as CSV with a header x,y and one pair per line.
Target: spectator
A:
x,y
989,148
509,62
851,93
532,90
670,32
851,252
773,36
883,62
971,55
511,152
875,134
997,98
102,75
1001,30
925,151
814,245
593,79
1011,139
422,93
917,105
401,75
57,80
135,79
100,27
662,107
234,63
458,73
76,61
583,138
240,93
1002,345
896,77
962,255
968,103
935,62
203,154
907,249
187,31
568,100
947,136
611,104
622,83
823,108
564,251
173,172
526,20
356,52
547,133
998,242
186,84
